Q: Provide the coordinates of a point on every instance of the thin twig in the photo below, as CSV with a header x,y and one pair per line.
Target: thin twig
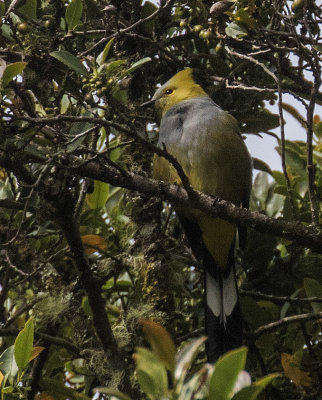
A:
x,y
286,321
280,299
125,30
283,150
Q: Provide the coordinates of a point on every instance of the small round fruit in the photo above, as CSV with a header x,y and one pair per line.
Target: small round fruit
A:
x,y
23,28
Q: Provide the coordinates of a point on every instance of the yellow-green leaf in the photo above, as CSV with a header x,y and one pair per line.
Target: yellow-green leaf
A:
x,y
98,198
11,71
23,344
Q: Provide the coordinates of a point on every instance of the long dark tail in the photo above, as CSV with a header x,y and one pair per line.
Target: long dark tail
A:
x,y
223,316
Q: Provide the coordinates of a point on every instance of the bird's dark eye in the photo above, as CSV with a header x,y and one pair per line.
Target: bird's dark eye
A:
x,y
168,91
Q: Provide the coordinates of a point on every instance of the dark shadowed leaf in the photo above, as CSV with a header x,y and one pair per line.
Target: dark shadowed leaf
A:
x,y
70,61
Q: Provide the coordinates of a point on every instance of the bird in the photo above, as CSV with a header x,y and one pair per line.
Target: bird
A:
x,y
205,140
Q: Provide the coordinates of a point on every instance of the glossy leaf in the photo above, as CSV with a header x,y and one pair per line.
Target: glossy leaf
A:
x,y
70,61
8,365
225,374
11,71
23,344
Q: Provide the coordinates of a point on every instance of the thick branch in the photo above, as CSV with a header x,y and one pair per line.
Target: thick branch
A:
x,y
306,235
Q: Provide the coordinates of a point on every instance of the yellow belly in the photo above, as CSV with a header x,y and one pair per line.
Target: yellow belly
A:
x,y
217,234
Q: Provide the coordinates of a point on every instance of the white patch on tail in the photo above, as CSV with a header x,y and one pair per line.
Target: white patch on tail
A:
x,y
214,301
230,296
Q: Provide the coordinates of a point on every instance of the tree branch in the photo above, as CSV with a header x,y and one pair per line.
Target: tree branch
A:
x,y
287,320
305,235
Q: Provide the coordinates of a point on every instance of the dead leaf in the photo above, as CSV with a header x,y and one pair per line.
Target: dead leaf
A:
x,y
44,396
93,243
161,343
36,351
292,370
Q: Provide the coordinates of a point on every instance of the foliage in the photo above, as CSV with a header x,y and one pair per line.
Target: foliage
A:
x,y
87,247
225,380
14,361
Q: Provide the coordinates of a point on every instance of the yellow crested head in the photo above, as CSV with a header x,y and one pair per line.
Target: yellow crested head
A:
x,y
179,88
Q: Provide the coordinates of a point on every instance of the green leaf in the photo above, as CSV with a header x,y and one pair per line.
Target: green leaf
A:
x,y
313,289
243,16
261,121
11,71
29,9
103,55
7,33
261,165
225,374
235,31
279,177
252,392
138,64
23,344
110,68
70,61
8,365
151,373
73,14
98,198
147,9
111,392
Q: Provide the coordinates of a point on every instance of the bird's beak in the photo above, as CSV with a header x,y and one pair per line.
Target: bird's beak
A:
x,y
148,103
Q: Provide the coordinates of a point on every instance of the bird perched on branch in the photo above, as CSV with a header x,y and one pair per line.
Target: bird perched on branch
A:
x,y
206,142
